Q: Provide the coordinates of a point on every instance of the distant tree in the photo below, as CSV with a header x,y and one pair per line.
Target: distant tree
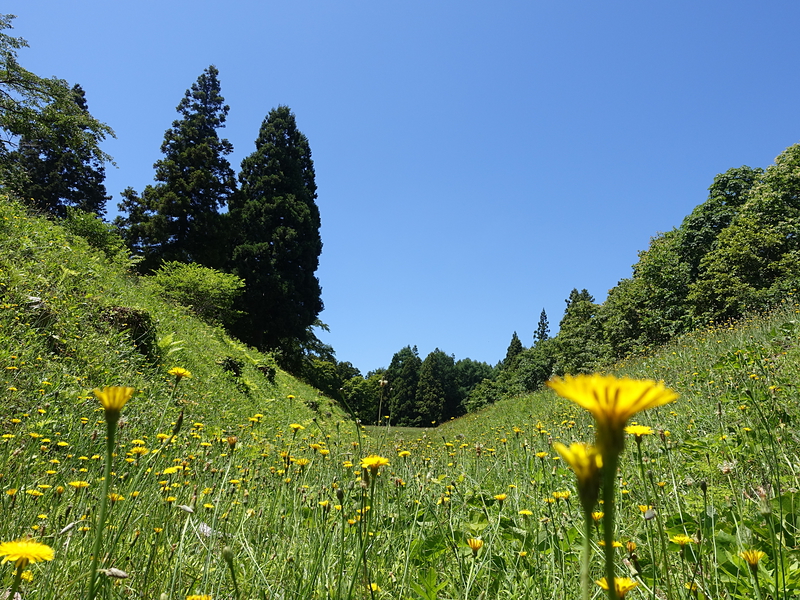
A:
x,y
361,396
542,332
579,346
403,377
515,347
277,245
178,218
46,115
437,393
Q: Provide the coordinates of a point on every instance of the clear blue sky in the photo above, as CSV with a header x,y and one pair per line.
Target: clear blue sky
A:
x,y
475,160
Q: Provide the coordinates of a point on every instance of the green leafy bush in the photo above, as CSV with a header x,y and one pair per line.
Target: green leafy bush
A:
x,y
208,293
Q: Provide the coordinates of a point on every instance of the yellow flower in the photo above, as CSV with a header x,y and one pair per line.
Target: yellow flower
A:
x,y
751,557
296,427
638,430
25,551
623,585
373,462
585,461
404,453
612,402
79,484
199,597
180,373
526,513
500,497
681,539
113,398
475,544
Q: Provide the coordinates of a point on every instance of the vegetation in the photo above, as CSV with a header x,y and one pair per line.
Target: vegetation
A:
x,y
223,483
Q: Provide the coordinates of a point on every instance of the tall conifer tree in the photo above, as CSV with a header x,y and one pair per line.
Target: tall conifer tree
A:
x,y
178,218
277,246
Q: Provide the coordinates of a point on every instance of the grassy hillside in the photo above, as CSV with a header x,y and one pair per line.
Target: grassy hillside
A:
x,y
262,494
72,321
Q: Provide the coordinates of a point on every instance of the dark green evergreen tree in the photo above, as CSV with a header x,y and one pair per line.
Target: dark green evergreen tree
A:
x,y
178,218
57,173
542,332
515,347
277,245
403,378
437,392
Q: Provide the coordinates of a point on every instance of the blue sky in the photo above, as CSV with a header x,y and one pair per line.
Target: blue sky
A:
x,y
475,160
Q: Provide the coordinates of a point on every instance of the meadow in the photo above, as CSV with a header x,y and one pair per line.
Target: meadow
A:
x,y
227,478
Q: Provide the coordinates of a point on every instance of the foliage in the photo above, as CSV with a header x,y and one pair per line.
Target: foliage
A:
x,y
437,396
58,173
542,332
515,347
97,233
210,294
178,218
755,261
579,346
403,377
277,246
50,144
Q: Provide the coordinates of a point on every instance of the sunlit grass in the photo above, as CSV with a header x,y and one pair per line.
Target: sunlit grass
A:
x,y
236,487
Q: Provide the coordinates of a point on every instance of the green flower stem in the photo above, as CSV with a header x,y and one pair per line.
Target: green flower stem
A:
x,y
111,424
586,556
609,489
18,579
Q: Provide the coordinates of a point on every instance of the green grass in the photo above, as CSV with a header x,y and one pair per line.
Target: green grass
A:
x,y
298,516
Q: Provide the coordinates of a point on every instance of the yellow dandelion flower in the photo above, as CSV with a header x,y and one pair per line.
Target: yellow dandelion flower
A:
x,y
24,552
475,544
295,427
638,430
113,398
78,484
180,373
612,402
681,539
500,497
373,462
623,585
751,557
199,597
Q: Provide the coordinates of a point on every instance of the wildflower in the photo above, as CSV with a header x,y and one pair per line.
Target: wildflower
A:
x,y
526,513
638,430
597,515
404,454
751,557
612,402
199,597
24,552
500,497
78,484
475,544
585,461
681,539
180,373
295,427
373,462
623,585
113,398
374,587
